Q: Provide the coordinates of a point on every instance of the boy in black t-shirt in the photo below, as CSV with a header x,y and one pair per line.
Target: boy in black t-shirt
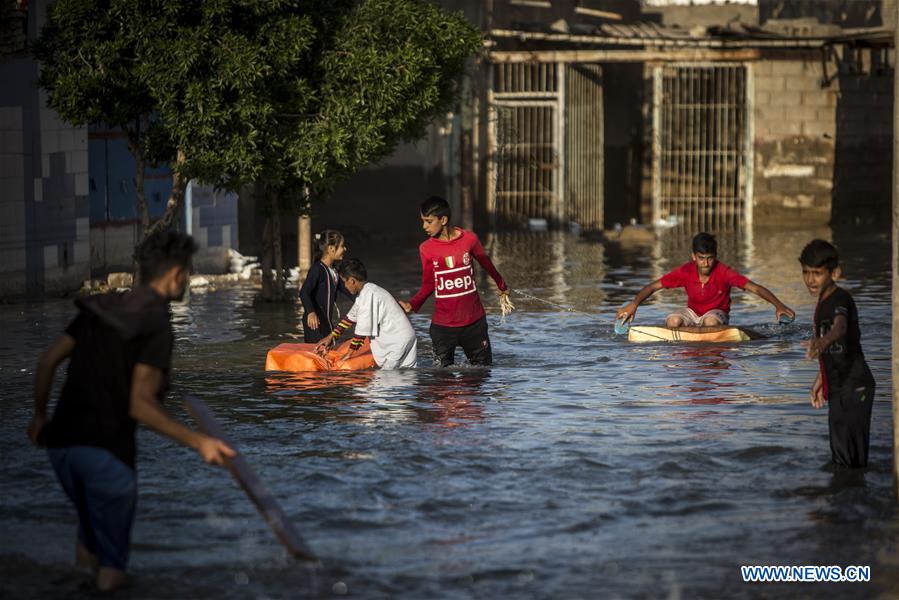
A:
x,y
844,380
120,349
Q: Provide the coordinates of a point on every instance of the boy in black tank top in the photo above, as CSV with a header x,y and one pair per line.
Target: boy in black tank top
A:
x,y
844,380
120,348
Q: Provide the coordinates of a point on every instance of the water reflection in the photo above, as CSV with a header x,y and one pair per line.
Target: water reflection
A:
x,y
705,383
297,385
557,266
452,399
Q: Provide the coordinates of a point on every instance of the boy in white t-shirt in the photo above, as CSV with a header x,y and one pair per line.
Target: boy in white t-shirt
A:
x,y
377,315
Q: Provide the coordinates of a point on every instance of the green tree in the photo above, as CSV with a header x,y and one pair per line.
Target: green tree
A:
x,y
294,95
385,69
222,72
87,50
391,67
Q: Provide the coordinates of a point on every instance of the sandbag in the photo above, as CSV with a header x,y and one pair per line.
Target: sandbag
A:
x,y
302,357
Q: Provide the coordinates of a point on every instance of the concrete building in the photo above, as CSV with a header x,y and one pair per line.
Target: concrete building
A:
x,y
67,196
44,204
781,121
717,114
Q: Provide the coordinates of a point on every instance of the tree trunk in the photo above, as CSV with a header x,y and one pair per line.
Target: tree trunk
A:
x,y
176,199
268,292
134,146
278,286
143,211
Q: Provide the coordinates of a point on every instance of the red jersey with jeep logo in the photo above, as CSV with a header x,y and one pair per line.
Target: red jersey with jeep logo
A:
x,y
447,271
714,295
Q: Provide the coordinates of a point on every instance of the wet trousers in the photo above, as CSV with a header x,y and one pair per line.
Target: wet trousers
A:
x,y
849,420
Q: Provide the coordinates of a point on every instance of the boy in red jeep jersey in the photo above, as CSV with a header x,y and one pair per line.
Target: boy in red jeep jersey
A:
x,y
447,270
707,283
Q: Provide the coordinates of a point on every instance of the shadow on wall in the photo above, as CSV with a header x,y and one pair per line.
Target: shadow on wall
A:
x,y
623,116
862,178
378,207
376,210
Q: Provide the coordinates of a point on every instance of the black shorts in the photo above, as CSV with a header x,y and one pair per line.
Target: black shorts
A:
x,y
473,339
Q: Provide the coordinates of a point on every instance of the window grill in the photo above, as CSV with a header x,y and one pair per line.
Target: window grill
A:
x,y
702,166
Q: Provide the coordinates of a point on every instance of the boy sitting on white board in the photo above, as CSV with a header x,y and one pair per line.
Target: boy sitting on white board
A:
x,y
708,283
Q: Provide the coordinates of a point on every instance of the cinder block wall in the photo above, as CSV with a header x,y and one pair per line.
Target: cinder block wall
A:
x,y
44,205
794,141
213,223
12,201
61,203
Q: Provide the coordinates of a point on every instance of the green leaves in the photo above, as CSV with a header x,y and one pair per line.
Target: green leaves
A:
x,y
295,93
390,70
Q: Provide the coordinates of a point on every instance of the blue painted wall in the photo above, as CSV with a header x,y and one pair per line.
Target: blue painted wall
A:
x,y
112,180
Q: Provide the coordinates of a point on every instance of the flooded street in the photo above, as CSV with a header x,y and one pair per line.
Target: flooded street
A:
x,y
578,466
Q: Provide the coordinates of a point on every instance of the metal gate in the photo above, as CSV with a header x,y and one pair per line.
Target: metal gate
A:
x,y
702,158
546,144
584,137
526,143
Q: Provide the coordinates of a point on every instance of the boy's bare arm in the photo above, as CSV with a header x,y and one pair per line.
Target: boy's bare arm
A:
x,y
817,394
49,361
480,255
629,310
765,294
819,344
321,348
426,289
145,409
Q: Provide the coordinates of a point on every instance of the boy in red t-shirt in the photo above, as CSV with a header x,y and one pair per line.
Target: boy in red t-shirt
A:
x,y
447,270
708,284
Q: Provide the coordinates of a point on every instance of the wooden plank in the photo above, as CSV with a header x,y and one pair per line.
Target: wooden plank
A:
x,y
601,14
266,504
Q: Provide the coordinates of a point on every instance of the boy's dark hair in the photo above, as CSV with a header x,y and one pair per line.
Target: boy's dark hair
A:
x,y
162,251
352,267
820,253
435,206
323,239
705,243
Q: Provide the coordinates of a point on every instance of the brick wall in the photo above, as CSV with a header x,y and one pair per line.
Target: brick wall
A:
x,y
794,141
823,154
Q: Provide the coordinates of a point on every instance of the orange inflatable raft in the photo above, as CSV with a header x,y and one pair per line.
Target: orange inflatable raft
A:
x,y
302,357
